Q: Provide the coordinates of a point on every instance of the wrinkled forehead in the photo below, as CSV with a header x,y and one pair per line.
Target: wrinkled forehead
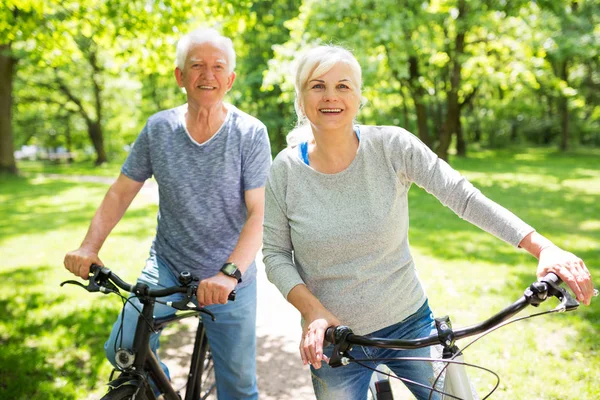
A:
x,y
207,52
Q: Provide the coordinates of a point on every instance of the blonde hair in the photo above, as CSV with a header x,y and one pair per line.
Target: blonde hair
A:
x,y
316,62
200,36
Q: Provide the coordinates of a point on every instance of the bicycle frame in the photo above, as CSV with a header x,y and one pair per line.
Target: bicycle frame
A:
x,y
145,359
457,383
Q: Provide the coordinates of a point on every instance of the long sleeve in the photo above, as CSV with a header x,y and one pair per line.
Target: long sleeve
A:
x,y
277,244
424,168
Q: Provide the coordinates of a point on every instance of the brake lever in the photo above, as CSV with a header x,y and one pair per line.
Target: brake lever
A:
x,y
105,287
74,283
567,302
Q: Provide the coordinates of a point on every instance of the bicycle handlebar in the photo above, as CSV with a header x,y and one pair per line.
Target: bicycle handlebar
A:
x,y
537,293
104,280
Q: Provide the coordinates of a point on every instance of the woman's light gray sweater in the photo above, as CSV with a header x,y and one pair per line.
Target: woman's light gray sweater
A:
x,y
345,235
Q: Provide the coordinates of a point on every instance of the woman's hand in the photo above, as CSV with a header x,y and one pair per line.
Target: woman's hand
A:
x,y
570,268
567,266
313,334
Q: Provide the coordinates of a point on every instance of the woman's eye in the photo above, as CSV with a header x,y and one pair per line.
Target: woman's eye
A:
x,y
318,86
343,86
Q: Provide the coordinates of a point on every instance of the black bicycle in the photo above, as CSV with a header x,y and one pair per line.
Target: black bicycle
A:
x,y
138,365
451,380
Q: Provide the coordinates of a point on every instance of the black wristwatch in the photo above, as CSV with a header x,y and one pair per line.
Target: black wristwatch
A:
x,y
230,269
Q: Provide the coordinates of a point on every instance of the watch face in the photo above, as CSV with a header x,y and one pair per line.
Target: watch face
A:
x,y
229,269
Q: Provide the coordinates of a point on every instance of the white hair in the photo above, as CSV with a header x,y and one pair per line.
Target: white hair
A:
x,y
316,62
200,36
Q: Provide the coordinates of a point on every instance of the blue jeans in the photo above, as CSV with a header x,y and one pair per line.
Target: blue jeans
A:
x,y
232,336
351,382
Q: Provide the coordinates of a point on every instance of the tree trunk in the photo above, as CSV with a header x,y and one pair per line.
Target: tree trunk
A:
x,y
7,151
418,95
563,110
461,143
452,124
95,134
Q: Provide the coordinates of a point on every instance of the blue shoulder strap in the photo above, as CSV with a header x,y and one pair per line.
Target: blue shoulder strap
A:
x,y
303,148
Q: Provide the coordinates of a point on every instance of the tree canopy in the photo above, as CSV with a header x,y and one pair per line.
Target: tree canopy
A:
x,y
85,75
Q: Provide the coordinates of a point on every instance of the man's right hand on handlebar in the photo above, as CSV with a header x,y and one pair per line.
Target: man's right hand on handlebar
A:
x,y
215,290
79,261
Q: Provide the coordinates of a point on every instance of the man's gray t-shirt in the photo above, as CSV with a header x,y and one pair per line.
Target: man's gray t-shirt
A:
x,y
201,186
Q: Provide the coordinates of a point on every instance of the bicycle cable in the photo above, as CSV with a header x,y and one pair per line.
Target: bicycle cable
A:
x,y
460,350
447,362
432,388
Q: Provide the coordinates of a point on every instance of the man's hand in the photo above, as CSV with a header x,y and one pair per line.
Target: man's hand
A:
x,y
79,261
215,290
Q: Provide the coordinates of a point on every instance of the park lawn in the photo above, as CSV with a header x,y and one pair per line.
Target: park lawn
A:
x,y
33,168
52,337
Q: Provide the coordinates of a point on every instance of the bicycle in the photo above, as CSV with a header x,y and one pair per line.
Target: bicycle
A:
x,y
140,364
452,377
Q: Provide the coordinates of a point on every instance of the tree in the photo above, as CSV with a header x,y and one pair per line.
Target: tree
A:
x,y
17,21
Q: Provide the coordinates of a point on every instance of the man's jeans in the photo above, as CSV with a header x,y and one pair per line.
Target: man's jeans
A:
x,y
351,382
232,336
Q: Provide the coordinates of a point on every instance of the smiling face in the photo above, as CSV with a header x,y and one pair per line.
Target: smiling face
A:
x,y
331,101
206,74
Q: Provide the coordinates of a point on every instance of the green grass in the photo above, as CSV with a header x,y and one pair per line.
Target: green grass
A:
x,y
32,168
470,274
51,338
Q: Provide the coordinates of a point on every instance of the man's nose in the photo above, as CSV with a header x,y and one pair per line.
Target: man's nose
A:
x,y
207,72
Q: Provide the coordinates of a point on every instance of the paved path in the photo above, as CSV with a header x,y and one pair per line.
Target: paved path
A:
x,y
281,375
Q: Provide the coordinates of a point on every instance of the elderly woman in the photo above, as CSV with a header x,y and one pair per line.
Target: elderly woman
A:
x,y
336,226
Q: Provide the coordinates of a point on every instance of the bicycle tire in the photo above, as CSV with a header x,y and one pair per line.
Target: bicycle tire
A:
x,y
124,392
206,372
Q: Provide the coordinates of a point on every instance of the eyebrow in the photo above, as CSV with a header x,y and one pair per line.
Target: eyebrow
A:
x,y
220,60
322,81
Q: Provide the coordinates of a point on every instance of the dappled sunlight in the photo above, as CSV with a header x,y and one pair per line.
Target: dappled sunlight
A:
x,y
54,336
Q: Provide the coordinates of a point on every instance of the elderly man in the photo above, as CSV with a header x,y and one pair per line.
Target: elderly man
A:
x,y
211,161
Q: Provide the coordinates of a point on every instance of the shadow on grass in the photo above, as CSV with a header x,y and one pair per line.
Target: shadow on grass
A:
x,y
551,210
30,207
543,161
44,351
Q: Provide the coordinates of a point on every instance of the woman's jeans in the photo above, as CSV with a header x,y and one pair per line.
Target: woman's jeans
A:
x,y
351,382
232,336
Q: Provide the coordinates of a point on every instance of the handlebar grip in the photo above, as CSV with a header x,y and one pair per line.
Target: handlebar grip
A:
x,y
330,334
232,295
94,268
551,277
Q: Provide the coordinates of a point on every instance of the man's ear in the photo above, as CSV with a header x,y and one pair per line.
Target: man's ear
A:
x,y
179,76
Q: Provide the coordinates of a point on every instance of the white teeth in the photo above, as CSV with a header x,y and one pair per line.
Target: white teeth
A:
x,y
331,110
207,87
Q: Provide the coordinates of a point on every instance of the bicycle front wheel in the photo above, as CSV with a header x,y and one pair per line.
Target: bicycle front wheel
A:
x,y
207,383
203,386
125,392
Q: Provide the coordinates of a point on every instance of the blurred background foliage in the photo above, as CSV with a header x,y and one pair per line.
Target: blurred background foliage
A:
x,y
461,74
